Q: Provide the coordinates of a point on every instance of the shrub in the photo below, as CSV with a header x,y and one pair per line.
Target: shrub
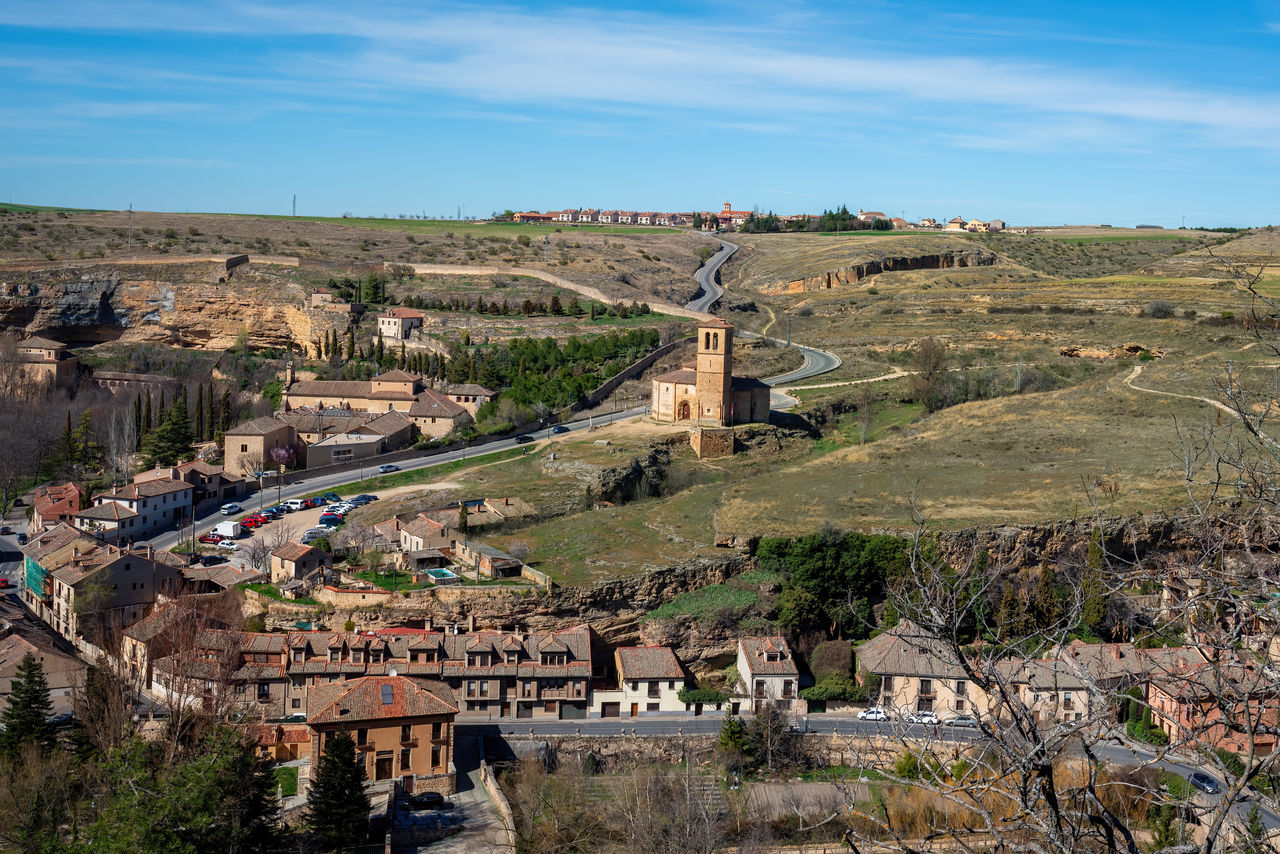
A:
x,y
1159,308
831,658
705,696
836,688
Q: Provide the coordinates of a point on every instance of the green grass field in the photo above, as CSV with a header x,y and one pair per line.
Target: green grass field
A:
x,y
423,475
17,208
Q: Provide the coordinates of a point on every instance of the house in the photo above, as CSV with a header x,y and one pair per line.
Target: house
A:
x,y
425,533
398,323
646,218
281,742
64,673
899,223
534,216
608,217
768,672
487,560
469,396
975,226
211,485
83,587
995,225
295,561
1231,706
55,504
650,679
172,625
627,217
320,297
143,510
569,215
729,218
918,673
493,674
954,224
247,447
588,215
929,222
871,216
43,361
434,414
402,727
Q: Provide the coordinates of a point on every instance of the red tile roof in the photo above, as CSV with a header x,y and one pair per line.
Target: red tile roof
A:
x,y
294,552
648,662
363,700
757,662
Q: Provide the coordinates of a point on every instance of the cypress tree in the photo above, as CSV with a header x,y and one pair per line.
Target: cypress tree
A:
x,y
400,363
199,427
211,425
137,421
26,717
380,350
351,343
337,807
227,414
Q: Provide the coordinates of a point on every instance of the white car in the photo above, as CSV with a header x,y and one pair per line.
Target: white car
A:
x,y
230,509
388,468
923,718
875,713
229,545
295,504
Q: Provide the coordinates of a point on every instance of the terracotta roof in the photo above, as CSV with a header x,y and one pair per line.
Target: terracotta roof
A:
x,y
374,698
294,552
112,510
59,540
469,389
261,425
57,500
432,404
396,376
648,662
201,467
399,312
759,665
330,388
681,376
42,343
388,423
715,323
147,489
268,735
330,421
907,650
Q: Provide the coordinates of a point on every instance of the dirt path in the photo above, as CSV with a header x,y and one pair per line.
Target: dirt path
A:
x,y
893,375
550,278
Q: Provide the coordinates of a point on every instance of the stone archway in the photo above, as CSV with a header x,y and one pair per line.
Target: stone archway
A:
x,y
683,411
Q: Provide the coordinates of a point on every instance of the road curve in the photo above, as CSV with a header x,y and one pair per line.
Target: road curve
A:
x,y
816,361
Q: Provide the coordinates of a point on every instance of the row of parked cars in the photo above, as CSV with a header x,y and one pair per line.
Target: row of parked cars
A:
x,y
336,509
876,713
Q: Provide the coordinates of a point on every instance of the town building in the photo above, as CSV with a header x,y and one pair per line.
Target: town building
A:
x,y
434,413
469,396
871,216
45,362
64,673
398,323
247,447
707,393
403,729
138,511
487,560
650,679
954,224
295,562
768,672
55,504
211,485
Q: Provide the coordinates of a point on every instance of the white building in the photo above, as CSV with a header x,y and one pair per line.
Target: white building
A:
x,y
768,672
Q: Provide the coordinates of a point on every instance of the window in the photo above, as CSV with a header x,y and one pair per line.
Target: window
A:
x,y
362,735
298,656
651,707
962,688
244,449
435,756
295,703
653,689
406,732
959,705
405,760
924,704
357,657
413,658
788,688
484,689
435,731
471,688
926,687
1067,703
387,695
264,692
333,655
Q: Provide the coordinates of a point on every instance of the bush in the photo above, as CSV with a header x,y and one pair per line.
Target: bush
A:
x,y
831,658
1159,308
705,696
836,688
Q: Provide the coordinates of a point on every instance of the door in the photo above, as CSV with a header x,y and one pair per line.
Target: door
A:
x,y
524,710
382,768
635,710
610,710
682,411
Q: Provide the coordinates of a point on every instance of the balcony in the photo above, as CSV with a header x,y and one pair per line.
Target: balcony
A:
x,y
409,742
365,746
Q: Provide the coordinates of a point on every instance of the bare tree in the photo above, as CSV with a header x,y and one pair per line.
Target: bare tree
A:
x,y
865,400
120,444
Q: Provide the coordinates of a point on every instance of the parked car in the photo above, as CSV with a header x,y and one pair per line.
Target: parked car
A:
x,y
331,521
294,504
922,718
230,509
257,520
212,560
212,539
875,713
523,440
388,468
427,801
22,539
559,428
365,498
331,496
317,501
6,530
229,545
1204,783
963,720
4,584
271,513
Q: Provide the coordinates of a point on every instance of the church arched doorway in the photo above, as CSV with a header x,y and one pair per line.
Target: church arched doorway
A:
x,y
682,411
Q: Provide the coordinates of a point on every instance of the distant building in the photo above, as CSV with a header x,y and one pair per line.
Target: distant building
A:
x,y
43,361
295,561
398,323
55,504
469,396
871,216
768,672
137,511
434,413
708,394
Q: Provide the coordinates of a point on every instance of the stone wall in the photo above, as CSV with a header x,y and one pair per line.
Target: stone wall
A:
x,y
711,443
851,275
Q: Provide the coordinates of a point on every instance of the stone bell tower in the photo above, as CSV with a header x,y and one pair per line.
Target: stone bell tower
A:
x,y
715,373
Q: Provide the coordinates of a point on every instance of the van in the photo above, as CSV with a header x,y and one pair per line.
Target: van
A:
x,y
230,529
294,504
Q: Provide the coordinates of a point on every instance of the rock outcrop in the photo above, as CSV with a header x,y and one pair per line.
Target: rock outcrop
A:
x,y
192,304
851,275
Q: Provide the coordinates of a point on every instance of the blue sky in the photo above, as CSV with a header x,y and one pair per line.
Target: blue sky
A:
x,y
1039,113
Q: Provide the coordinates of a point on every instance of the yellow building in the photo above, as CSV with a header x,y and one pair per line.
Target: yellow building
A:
x,y
706,393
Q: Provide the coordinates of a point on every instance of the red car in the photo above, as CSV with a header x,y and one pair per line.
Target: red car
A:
x,y
254,521
211,539
4,584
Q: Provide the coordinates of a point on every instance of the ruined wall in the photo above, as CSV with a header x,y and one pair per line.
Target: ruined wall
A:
x,y
851,275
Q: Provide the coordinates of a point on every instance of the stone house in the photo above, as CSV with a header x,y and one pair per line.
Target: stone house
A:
x,y
43,361
487,560
211,485
469,396
425,533
294,561
1232,706
918,673
55,504
768,672
247,447
398,323
403,729
144,509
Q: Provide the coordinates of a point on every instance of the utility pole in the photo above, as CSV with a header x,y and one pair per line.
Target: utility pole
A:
x,y
295,205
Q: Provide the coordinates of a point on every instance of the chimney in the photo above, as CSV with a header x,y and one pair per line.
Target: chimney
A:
x,y
151,552
1115,652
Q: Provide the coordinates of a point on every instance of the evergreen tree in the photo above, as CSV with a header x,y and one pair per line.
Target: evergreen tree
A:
x,y
26,716
1048,609
171,440
380,350
87,451
63,455
137,421
227,413
463,525
351,343
337,807
199,427
210,425
401,361
556,308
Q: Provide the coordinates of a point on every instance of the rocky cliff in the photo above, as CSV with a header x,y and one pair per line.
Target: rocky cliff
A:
x,y
851,275
193,304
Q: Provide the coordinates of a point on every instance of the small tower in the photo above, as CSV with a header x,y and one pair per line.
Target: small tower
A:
x,y
715,373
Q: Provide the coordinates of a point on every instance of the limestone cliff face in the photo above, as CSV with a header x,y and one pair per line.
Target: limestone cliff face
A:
x,y
851,275
193,304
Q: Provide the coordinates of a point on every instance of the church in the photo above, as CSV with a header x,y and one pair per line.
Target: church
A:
x,y
706,394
